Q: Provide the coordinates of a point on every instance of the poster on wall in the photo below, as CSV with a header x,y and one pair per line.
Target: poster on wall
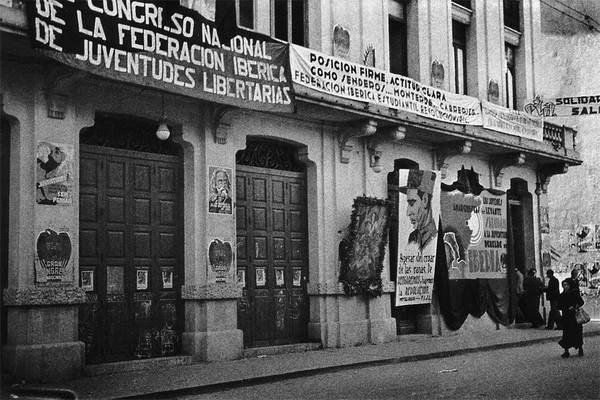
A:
x,y
54,174
53,256
219,191
162,45
361,254
353,81
475,234
220,257
418,214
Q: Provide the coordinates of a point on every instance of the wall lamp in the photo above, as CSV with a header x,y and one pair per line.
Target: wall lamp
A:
x,y
163,132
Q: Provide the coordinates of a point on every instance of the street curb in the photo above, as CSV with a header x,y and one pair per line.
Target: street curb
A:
x,y
335,368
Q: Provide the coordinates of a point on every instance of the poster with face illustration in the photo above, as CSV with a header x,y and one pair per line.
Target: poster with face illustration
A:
x,y
418,214
54,174
219,190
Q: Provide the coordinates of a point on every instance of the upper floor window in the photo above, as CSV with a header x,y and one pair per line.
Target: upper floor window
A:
x,y
459,43
240,11
464,3
289,20
510,84
512,18
397,38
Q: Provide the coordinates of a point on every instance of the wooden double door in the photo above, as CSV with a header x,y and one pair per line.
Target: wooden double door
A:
x,y
130,253
272,260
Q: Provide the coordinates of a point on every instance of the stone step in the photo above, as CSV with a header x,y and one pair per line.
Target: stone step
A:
x,y
282,349
136,365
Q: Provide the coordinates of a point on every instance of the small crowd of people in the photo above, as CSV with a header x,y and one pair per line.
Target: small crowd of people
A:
x,y
563,306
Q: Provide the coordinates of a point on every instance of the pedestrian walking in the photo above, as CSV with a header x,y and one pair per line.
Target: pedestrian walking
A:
x,y
552,294
533,287
568,301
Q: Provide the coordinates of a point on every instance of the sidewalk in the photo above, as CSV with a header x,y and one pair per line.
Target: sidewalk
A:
x,y
189,379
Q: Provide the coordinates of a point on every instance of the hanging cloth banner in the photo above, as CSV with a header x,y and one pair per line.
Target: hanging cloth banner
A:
x,y
163,45
573,106
418,214
512,122
475,231
353,81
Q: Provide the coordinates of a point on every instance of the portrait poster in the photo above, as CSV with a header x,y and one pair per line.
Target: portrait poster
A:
x,y
279,277
142,279
219,190
362,253
475,234
167,279
241,277
544,220
418,215
87,280
54,174
261,276
53,261
297,278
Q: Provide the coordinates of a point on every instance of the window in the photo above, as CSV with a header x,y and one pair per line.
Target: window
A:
x,y
245,13
397,39
510,84
459,43
511,14
240,11
464,3
285,11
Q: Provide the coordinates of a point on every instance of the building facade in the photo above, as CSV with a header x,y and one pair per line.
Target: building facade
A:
x,y
567,66
117,245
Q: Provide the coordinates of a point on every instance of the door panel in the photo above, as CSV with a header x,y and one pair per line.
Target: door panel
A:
x,y
130,230
271,250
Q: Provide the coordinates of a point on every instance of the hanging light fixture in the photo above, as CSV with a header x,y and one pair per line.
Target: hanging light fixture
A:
x,y
163,132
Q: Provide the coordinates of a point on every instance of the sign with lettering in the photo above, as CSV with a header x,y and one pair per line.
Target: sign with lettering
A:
x,y
54,174
475,234
353,81
418,213
163,45
53,256
571,106
512,122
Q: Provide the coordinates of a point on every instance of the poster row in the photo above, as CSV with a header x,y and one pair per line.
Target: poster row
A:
x,y
474,232
166,46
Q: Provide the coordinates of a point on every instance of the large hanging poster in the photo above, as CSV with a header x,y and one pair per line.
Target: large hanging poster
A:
x,y
418,214
353,81
475,232
513,122
163,45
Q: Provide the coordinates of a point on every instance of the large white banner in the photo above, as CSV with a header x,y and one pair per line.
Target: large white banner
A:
x,y
418,215
512,122
343,78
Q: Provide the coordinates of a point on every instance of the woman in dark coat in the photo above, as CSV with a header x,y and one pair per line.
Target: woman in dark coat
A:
x,y
568,301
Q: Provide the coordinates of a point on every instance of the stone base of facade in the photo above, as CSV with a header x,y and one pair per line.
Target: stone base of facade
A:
x,y
353,333
214,345
51,362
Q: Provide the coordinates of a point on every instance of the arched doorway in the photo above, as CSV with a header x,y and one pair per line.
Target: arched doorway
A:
x,y
272,257
4,210
130,240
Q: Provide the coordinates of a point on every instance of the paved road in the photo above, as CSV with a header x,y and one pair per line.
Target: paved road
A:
x,y
533,372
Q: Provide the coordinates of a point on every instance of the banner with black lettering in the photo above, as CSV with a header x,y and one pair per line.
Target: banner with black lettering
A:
x,y
163,45
568,106
343,78
475,231
418,214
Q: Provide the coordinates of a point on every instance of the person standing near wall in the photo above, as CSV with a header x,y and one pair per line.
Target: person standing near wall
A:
x,y
552,294
568,301
533,287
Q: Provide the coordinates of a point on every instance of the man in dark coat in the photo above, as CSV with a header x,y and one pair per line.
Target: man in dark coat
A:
x,y
552,293
533,287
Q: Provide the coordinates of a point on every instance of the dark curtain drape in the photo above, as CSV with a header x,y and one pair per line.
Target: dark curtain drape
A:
x,y
460,297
